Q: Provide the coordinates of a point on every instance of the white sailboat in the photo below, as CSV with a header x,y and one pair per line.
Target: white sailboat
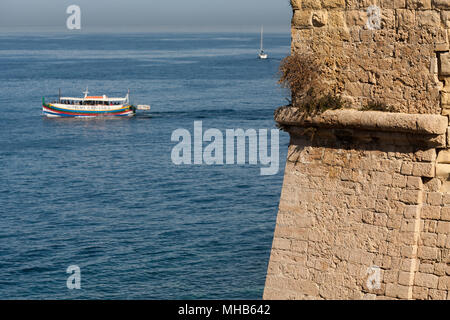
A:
x,y
262,55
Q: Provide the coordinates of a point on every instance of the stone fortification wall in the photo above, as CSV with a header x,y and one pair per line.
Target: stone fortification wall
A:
x,y
390,51
365,206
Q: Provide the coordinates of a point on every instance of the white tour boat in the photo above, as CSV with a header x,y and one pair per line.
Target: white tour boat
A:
x,y
91,106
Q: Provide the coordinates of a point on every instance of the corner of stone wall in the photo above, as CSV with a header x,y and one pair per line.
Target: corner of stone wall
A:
x,y
362,190
365,207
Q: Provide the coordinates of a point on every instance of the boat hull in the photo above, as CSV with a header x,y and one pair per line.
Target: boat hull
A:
x,y
55,111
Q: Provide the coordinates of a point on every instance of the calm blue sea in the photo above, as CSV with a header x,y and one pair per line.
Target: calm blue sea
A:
x,y
104,194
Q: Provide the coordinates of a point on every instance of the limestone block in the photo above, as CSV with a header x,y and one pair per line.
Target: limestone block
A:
x,y
426,280
428,18
406,169
433,185
296,4
443,227
445,100
445,15
336,19
442,47
448,137
355,18
424,169
411,197
369,120
405,19
319,19
302,19
426,155
445,213
443,171
444,156
441,4
431,212
412,212
418,4
333,4
434,199
420,293
428,253
311,4
444,283
398,291
445,188
446,87
282,244
445,64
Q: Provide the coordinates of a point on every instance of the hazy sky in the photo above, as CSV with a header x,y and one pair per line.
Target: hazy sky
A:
x,y
148,15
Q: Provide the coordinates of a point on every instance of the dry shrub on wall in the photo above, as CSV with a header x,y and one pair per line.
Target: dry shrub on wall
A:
x,y
305,74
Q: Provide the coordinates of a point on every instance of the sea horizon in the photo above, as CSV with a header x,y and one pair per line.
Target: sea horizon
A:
x,y
105,195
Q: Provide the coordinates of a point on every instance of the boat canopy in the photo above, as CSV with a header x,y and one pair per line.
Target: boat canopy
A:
x,y
100,98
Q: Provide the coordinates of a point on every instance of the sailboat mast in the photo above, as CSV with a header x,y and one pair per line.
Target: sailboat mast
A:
x,y
262,35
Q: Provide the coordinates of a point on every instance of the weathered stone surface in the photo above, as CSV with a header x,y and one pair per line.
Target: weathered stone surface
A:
x,y
368,192
441,4
445,64
393,49
444,157
369,120
426,280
